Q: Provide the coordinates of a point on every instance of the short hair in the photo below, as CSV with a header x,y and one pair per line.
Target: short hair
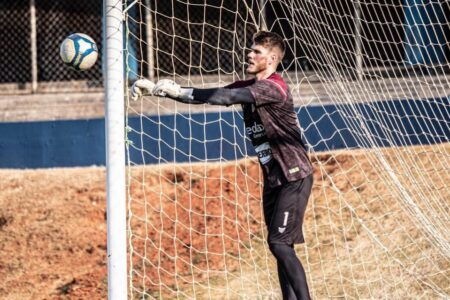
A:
x,y
269,40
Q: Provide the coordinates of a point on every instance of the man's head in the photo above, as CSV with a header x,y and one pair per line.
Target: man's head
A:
x,y
266,53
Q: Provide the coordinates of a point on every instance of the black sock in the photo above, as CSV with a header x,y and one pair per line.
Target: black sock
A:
x,y
292,275
286,288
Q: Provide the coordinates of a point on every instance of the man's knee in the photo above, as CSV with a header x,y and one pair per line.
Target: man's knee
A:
x,y
281,251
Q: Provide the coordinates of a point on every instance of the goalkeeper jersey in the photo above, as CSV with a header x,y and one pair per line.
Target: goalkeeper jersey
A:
x,y
273,128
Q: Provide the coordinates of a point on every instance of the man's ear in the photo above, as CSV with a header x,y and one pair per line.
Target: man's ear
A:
x,y
273,58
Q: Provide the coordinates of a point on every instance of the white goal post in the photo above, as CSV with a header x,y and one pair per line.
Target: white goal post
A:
x,y
371,86
113,72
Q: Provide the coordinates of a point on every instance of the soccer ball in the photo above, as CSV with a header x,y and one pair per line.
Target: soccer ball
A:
x,y
79,51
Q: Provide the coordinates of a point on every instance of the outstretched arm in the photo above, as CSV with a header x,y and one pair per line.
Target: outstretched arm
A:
x,y
219,96
215,96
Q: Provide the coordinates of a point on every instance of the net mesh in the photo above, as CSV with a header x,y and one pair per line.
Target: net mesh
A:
x,y
371,89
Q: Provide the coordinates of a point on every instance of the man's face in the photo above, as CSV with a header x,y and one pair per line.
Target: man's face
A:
x,y
258,59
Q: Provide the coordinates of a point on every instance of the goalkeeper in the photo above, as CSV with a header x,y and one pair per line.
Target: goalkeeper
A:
x,y
272,126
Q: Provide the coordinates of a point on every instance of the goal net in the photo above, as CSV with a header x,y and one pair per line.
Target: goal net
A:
x,y
370,81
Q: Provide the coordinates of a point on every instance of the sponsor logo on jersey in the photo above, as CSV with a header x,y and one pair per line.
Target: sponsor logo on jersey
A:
x,y
294,170
264,153
255,129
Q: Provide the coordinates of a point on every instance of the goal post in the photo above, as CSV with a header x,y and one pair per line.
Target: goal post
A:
x,y
113,71
371,87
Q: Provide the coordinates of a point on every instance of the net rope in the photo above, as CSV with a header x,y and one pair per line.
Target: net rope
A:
x,y
376,121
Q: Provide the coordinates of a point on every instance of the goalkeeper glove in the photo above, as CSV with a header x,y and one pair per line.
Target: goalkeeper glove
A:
x,y
141,88
169,88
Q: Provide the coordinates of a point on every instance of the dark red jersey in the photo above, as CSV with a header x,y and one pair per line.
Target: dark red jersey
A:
x,y
273,128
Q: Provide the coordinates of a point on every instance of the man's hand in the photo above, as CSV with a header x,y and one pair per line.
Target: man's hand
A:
x,y
141,88
167,88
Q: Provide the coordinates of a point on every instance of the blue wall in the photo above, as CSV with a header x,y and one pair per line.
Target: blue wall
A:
x,y
52,144
185,138
425,36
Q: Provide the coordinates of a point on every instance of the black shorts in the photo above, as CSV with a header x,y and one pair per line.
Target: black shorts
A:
x,y
284,209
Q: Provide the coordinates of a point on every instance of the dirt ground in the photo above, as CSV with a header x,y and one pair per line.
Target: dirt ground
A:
x,y
53,234
365,238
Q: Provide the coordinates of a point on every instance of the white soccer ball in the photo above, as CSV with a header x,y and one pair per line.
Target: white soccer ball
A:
x,y
79,51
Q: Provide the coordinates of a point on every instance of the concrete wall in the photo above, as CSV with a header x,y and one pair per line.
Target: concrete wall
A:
x,y
52,144
184,138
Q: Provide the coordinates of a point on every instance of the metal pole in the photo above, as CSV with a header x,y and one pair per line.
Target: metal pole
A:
x,y
149,29
358,50
113,70
34,69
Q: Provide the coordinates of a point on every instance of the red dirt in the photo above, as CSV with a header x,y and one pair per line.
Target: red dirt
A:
x,y
53,234
53,228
